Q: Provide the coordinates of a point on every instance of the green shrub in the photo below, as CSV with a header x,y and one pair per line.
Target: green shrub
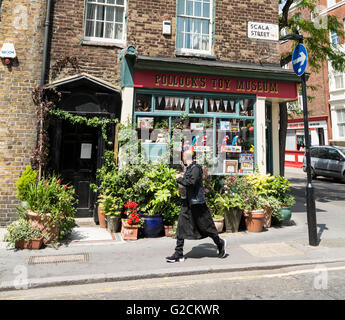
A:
x,y
28,178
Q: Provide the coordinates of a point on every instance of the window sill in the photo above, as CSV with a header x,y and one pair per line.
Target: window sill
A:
x,y
102,44
195,55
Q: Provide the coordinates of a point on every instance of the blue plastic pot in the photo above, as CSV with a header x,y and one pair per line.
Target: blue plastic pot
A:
x,y
153,225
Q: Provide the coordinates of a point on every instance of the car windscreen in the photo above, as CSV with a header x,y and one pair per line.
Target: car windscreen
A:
x,y
342,150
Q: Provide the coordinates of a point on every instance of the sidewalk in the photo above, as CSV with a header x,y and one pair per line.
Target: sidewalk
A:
x,y
111,259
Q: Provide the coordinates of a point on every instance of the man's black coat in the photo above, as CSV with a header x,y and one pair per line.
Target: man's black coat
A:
x,y
195,220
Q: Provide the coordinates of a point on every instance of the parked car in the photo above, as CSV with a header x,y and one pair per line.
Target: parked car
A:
x,y
327,161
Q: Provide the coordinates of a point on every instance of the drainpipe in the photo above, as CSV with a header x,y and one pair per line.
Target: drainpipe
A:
x,y
43,75
45,44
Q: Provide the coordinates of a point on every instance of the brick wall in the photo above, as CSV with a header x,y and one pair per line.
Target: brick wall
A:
x,y
22,25
144,31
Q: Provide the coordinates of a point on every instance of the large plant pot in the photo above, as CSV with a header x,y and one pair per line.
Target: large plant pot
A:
x,y
285,213
232,219
153,225
129,232
102,217
219,223
41,222
113,224
268,217
254,220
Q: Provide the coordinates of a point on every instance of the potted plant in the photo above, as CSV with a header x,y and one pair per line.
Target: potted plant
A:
x,y
101,216
130,226
112,207
50,207
229,205
285,207
23,236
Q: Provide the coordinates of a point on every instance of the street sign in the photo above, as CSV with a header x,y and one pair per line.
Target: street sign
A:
x,y
299,59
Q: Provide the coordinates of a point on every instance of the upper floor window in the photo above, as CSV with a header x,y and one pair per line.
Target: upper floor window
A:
x,y
194,20
105,20
338,81
334,38
331,2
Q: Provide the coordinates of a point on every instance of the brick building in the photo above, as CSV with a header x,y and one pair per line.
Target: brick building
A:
x,y
327,104
151,62
21,24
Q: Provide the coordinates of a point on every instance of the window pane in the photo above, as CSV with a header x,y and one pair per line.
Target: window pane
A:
x,y
188,25
180,24
180,6
196,42
99,29
109,30
100,12
90,11
197,11
187,43
120,2
101,1
205,27
89,28
118,31
341,130
197,26
110,14
111,1
205,43
206,11
119,15
290,140
189,10
179,40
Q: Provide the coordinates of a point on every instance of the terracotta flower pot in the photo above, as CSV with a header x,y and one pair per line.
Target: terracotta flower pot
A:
x,y
129,232
169,231
101,217
33,244
41,222
219,223
254,220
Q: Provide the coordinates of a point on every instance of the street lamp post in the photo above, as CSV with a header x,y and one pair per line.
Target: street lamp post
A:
x,y
311,214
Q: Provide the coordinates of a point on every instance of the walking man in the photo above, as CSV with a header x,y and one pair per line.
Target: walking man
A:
x,y
195,220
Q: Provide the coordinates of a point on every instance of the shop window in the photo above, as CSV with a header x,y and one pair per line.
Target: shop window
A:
x,y
194,26
290,140
196,105
235,145
105,20
246,107
170,103
221,105
143,103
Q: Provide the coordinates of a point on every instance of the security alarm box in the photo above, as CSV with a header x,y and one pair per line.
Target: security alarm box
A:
x,y
166,27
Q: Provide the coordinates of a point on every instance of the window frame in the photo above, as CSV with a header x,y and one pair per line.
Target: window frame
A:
x,y
331,34
103,39
190,51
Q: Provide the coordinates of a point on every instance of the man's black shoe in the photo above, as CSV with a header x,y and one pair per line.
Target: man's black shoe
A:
x,y
222,249
175,258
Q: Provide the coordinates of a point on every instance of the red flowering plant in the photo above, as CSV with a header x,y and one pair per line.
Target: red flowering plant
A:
x,y
132,213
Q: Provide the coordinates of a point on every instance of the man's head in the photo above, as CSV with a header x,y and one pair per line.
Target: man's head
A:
x,y
189,156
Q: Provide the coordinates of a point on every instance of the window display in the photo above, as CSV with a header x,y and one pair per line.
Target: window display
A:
x,y
221,126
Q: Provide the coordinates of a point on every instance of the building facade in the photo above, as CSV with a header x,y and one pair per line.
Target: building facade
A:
x,y
325,120
214,64
21,26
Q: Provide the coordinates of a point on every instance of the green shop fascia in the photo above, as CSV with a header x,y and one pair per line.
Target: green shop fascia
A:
x,y
229,110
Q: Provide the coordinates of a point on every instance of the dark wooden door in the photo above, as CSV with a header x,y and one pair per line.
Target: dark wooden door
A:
x,y
78,163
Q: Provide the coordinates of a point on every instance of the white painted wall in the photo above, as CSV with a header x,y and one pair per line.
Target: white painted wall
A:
x,y
261,134
127,105
275,136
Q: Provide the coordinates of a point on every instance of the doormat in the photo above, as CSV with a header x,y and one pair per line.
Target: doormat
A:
x,y
82,257
93,236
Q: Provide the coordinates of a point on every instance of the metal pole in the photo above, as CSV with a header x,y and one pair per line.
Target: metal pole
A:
x,y
311,214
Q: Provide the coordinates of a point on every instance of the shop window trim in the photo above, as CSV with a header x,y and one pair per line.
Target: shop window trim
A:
x,y
207,115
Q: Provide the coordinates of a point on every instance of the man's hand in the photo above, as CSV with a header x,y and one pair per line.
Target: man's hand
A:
x,y
179,175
